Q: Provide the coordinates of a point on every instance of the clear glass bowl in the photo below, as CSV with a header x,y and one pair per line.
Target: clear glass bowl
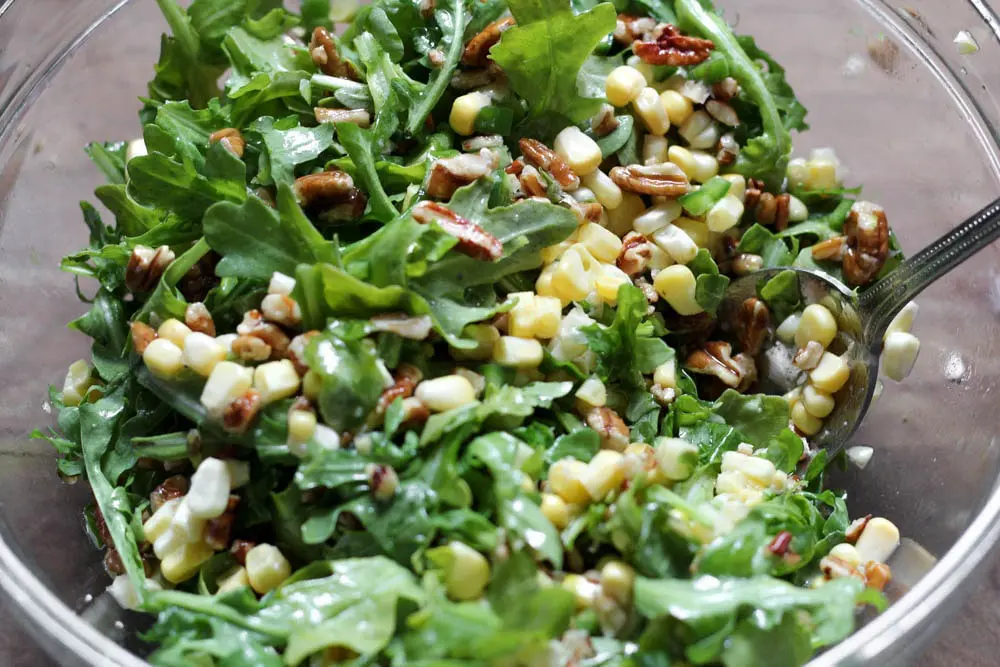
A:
x,y
916,123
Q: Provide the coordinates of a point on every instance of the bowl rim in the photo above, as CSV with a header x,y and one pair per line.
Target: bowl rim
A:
x,y
890,637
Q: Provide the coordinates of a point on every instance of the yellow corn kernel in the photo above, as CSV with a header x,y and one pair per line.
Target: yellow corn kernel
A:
x,y
543,286
675,458
548,316
467,574
565,478
163,358
276,380
605,190
698,166
737,185
584,592
604,473
878,541
657,217
602,244
233,581
485,336
725,214
676,284
818,324
652,113
571,280
647,70
697,230
607,281
620,218
830,374
555,510
593,392
796,173
676,242
821,175
159,522
518,352
267,568
805,422
659,259
175,331
817,403
446,393
465,110
899,355
202,353
78,381
580,152
183,563
654,149
665,374
624,85
522,315
678,107
700,131
903,321
617,580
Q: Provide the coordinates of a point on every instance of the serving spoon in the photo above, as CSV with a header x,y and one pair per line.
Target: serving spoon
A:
x,y
863,319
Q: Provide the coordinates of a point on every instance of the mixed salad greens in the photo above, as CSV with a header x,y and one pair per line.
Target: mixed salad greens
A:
x,y
405,347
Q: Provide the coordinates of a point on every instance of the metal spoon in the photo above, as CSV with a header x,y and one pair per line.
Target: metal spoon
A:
x,y
863,320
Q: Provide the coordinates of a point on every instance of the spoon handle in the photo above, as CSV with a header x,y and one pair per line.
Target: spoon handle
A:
x,y
884,299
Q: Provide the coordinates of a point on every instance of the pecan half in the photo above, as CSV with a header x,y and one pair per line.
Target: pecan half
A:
x,y
629,28
658,180
239,550
473,240
414,411
250,348
663,395
239,414
197,318
406,379
674,49
172,487
780,544
359,117
877,575
142,336
752,321
604,121
832,249
531,182
330,193
746,263
766,208
715,359
477,51
635,254
472,78
296,351
727,149
611,428
543,157
867,232
324,55
382,480
231,140
401,324
218,531
449,174
722,112
585,211
856,528
782,203
726,89
146,266
752,195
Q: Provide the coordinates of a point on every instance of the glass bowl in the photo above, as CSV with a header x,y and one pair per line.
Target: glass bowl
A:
x,y
915,121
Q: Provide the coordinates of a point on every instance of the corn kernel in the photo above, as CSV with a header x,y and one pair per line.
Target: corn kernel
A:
x,y
209,492
787,329
725,214
602,244
608,280
676,284
698,166
737,185
658,258
757,470
652,113
699,130
657,217
903,321
797,210
899,355
518,352
124,593
175,331
584,592
604,473
565,479
816,323
675,458
593,392
796,173
465,110
878,541
605,190
620,219
654,149
266,568
233,581
847,554
157,524
548,315
831,374
227,382
280,284
804,421
555,510
239,473
617,580
183,563
571,279
696,229
522,315
301,426
624,85
679,245
446,393
163,358
468,573
78,381
202,353
485,336
816,402
665,374
678,107
276,380
821,175
580,152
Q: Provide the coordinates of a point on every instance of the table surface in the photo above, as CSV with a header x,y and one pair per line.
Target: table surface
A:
x,y
971,639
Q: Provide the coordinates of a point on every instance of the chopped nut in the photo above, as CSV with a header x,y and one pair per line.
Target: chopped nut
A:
x,y
585,212
231,140
856,528
239,550
545,158
715,358
476,144
629,28
659,180
170,488
472,78
401,324
635,254
780,544
867,232
250,348
142,336
473,240
663,395
406,379
239,414
477,51
722,112
296,351
746,263
877,575
808,357
436,58
449,174
611,428
359,117
832,249
531,182
281,309
766,209
752,321
782,203
324,55
146,266
604,121
726,89
200,279
647,289
197,318
727,149
113,562
414,411
332,193
835,568
382,480
253,324
674,49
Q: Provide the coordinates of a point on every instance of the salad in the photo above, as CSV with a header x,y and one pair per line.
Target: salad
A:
x,y
407,351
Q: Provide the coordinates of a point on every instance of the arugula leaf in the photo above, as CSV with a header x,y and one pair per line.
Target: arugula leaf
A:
x,y
351,381
759,240
710,285
699,202
359,144
428,98
544,53
781,293
285,149
181,72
